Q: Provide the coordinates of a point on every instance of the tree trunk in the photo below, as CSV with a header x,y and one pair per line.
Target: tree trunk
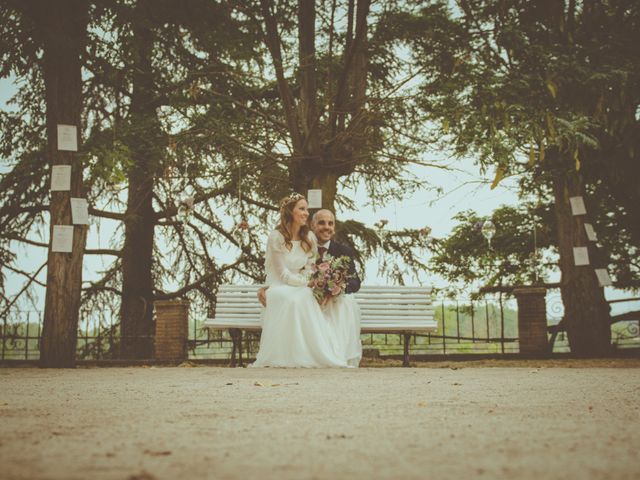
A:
x,y
307,59
64,28
136,311
322,153
587,314
328,183
358,75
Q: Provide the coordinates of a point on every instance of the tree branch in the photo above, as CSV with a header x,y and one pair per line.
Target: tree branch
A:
x,y
96,288
103,251
13,210
26,240
32,279
105,214
259,113
352,48
187,288
258,203
26,274
217,228
173,210
272,39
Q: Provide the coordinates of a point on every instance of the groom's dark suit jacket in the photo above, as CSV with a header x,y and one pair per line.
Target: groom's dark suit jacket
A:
x,y
337,250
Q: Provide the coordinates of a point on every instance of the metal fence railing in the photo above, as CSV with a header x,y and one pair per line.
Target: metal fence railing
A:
x,y
485,326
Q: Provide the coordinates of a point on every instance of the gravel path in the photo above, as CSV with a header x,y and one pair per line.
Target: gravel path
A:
x,y
529,421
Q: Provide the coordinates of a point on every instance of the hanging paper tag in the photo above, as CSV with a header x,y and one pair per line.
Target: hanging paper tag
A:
x,y
61,178
68,138
62,240
314,197
603,277
591,233
577,206
79,211
580,256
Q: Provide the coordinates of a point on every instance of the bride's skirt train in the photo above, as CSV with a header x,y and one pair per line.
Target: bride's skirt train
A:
x,y
343,315
296,333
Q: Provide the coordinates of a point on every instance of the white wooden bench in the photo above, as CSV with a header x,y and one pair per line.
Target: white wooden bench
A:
x,y
394,309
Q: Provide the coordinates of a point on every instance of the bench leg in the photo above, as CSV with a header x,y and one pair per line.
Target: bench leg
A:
x,y
235,336
405,361
240,348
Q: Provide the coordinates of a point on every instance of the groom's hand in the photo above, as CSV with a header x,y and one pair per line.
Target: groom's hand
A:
x,y
262,296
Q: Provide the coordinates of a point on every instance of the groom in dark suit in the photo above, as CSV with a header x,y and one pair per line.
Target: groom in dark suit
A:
x,y
343,312
323,224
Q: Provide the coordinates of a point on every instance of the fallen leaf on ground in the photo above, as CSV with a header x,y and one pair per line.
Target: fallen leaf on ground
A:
x,y
162,453
142,476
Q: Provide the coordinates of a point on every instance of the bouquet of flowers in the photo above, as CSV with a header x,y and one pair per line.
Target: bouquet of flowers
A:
x,y
329,278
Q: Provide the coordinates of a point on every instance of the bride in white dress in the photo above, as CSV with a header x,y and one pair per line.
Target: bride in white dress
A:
x,y
295,333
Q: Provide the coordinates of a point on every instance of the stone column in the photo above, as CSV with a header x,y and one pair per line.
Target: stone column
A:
x,y
532,321
172,328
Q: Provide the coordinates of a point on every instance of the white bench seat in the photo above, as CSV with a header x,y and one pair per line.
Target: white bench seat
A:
x,y
395,309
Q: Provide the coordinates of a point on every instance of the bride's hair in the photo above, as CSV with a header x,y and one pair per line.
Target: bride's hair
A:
x,y
287,204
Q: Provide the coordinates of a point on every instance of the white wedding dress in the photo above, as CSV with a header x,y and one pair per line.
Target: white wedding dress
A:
x,y
295,332
343,315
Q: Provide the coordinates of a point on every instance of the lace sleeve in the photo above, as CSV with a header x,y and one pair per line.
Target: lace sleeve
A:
x,y
312,255
275,261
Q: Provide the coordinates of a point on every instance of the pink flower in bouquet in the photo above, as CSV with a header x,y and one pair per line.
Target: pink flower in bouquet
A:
x,y
323,267
336,290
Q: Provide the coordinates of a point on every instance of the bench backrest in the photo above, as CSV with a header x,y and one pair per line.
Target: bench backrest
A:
x,y
383,308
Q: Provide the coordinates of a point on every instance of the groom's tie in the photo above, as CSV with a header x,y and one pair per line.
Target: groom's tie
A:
x,y
321,251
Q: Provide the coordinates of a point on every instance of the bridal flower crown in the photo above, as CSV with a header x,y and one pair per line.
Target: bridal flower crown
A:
x,y
294,197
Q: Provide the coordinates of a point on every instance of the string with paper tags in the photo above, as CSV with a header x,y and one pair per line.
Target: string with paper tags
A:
x,y
242,230
581,254
62,235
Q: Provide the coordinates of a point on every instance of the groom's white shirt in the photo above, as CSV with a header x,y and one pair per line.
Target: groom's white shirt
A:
x,y
325,244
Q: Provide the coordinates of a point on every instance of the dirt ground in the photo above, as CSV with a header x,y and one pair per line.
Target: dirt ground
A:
x,y
491,419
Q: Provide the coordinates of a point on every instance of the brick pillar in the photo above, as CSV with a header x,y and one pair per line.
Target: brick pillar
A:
x,y
172,327
532,320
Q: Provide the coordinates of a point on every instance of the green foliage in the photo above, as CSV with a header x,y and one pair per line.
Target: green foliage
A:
x,y
466,260
504,82
509,82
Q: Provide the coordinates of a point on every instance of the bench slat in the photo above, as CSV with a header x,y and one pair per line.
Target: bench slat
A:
x,y
363,311
383,309
363,306
368,298
363,292
253,288
364,328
